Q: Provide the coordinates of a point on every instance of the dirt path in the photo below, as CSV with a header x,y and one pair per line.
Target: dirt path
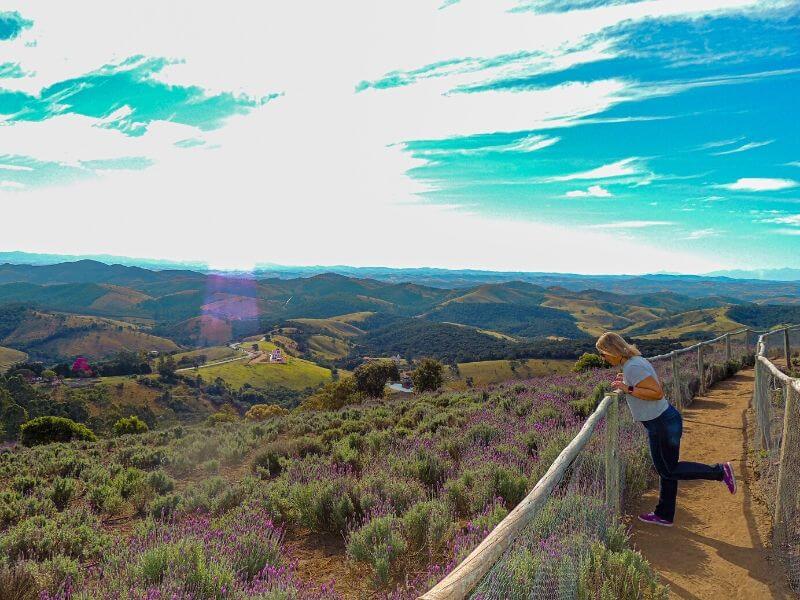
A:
x,y
717,547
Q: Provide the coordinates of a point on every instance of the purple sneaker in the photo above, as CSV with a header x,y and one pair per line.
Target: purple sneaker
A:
x,y
729,478
654,519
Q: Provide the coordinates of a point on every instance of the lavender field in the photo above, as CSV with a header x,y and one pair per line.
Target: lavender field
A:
x,y
399,491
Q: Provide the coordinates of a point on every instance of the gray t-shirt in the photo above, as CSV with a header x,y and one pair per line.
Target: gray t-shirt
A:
x,y
635,370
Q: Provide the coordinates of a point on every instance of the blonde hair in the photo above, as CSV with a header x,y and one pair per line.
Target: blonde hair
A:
x,y
614,344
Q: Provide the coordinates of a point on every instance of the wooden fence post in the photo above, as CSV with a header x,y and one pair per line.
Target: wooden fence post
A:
x,y
762,403
728,353
612,466
701,369
785,496
787,350
677,400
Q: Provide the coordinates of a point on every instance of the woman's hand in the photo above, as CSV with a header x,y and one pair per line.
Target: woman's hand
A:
x,y
618,384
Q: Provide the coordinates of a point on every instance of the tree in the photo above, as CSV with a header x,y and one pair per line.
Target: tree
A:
x,y
262,412
49,374
589,361
428,376
166,367
46,430
335,395
132,424
371,377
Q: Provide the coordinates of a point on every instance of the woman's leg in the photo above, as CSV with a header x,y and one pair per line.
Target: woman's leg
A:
x,y
668,485
686,470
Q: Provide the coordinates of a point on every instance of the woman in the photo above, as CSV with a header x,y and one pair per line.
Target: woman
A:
x,y
664,425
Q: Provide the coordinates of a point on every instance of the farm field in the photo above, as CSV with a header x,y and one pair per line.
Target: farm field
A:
x,y
296,374
497,371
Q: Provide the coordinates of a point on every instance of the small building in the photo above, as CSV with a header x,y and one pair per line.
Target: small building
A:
x,y
153,353
276,356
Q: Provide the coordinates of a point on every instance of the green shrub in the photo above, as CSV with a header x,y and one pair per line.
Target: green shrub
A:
x,y
46,430
427,525
509,485
220,417
160,482
378,543
544,414
62,491
163,506
623,575
589,361
129,425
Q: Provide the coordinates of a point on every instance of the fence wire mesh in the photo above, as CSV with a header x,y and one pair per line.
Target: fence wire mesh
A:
x,y
775,444
576,545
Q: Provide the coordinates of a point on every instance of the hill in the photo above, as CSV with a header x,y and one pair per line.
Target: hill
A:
x,y
53,336
9,356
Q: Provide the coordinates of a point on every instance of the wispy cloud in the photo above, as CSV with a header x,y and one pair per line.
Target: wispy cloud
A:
x,y
7,167
699,234
629,224
594,191
785,220
620,168
744,148
760,184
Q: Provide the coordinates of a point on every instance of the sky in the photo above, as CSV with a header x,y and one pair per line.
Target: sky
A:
x,y
577,136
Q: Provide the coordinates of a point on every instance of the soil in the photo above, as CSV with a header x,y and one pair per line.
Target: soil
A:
x,y
719,545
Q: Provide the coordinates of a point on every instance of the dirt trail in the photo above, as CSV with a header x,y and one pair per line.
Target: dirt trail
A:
x,y
717,547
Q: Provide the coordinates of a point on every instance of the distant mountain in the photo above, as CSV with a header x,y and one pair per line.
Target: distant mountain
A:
x,y
200,308
768,274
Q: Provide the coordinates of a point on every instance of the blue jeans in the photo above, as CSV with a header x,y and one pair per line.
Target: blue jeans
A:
x,y
664,435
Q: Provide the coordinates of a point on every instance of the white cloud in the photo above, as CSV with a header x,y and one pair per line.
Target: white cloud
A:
x,y
785,220
744,148
629,224
699,234
621,168
594,191
760,184
4,167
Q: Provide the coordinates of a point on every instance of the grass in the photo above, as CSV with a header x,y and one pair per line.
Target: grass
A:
x,y
496,371
9,356
212,353
296,374
327,347
489,332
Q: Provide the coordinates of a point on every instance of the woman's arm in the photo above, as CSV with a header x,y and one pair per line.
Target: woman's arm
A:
x,y
647,389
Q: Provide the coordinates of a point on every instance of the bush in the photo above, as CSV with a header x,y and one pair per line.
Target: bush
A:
x,y
160,482
263,412
428,376
623,575
335,395
589,361
426,525
379,544
62,492
220,417
132,424
46,430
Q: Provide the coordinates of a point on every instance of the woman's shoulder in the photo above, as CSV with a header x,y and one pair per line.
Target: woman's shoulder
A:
x,y
636,361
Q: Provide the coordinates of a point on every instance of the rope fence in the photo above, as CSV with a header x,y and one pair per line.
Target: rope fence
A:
x,y
777,441
541,549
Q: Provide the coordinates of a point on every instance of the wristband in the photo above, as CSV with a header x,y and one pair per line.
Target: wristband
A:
x,y
630,389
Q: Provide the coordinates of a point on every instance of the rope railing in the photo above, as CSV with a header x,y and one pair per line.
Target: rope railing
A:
x,y
776,394
683,373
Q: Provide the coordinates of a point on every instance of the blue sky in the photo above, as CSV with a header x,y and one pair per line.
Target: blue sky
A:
x,y
550,136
